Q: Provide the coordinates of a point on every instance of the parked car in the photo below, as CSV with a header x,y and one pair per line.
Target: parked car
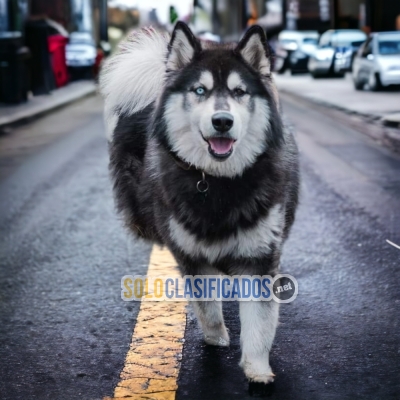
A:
x,y
208,36
81,53
377,62
298,59
335,52
294,48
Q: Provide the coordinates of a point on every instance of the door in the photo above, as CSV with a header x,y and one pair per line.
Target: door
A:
x,y
366,61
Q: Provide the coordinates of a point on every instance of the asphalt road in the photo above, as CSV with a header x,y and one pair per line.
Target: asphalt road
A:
x,y
64,331
340,338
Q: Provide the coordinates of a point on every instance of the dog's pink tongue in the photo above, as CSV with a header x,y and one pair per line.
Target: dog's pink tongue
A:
x,y
221,145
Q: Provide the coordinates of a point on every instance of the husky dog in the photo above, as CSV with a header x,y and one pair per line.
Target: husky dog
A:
x,y
202,163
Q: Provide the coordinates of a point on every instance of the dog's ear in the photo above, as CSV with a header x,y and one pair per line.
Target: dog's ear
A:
x,y
254,50
182,47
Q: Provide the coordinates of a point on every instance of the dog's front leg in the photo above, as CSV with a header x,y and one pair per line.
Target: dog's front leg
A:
x,y
209,315
258,321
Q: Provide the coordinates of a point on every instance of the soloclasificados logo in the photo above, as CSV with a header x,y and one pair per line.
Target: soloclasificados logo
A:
x,y
282,288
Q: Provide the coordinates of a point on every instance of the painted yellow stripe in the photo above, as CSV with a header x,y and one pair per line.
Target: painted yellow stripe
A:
x,y
153,361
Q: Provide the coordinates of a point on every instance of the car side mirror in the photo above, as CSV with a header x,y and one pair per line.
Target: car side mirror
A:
x,y
370,56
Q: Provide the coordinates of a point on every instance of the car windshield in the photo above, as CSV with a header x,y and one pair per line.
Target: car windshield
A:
x,y
310,41
81,38
347,39
80,41
288,41
389,46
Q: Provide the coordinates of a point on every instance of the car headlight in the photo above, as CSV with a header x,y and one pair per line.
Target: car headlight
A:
x,y
291,46
321,57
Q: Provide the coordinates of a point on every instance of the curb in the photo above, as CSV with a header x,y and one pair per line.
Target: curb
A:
x,y
380,128
392,120
47,104
331,105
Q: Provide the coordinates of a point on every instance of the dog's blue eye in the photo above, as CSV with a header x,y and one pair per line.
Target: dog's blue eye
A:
x,y
200,91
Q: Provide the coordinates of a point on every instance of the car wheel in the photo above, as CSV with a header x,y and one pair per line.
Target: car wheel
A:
x,y
315,75
88,73
374,82
284,67
358,85
352,62
333,74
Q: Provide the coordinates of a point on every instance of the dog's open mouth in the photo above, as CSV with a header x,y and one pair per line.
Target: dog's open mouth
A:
x,y
220,147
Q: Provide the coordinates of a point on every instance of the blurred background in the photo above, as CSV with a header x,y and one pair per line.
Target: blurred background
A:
x,y
44,45
64,330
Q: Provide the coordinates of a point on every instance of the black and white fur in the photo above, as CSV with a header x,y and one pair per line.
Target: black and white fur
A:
x,y
161,132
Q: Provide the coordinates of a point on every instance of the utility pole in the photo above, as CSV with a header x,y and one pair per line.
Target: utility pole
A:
x,y
103,20
216,23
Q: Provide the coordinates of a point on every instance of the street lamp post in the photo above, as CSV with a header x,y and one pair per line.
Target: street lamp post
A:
x,y
103,21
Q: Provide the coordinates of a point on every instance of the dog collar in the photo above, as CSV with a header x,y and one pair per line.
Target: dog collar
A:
x,y
202,186
182,164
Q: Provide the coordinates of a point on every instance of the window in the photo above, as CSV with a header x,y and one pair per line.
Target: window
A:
x,y
387,47
347,39
310,41
325,40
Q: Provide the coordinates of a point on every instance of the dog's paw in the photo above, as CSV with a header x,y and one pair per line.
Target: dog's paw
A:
x,y
261,378
216,340
258,371
260,389
217,336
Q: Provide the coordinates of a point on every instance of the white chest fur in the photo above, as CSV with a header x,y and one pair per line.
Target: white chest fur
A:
x,y
253,242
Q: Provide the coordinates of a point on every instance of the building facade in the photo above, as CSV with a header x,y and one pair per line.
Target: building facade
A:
x,y
368,15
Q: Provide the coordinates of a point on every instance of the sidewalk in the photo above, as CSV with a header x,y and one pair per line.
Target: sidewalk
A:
x,y
38,105
379,109
340,93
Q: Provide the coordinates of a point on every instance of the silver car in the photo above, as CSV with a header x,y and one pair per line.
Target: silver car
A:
x,y
81,51
293,50
334,54
377,62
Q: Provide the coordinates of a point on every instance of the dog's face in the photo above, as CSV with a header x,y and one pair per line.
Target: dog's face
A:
x,y
219,102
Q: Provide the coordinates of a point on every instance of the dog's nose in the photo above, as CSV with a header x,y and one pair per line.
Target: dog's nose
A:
x,y
222,121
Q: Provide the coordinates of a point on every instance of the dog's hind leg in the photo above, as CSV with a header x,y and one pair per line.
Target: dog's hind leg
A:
x,y
258,320
209,315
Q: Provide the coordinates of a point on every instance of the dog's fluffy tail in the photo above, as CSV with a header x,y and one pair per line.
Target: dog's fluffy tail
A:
x,y
133,78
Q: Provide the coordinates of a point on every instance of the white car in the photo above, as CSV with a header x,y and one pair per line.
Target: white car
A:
x,y
377,62
334,54
81,50
294,49
292,40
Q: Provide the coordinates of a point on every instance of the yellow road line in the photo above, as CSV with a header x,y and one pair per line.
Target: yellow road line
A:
x,y
153,361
